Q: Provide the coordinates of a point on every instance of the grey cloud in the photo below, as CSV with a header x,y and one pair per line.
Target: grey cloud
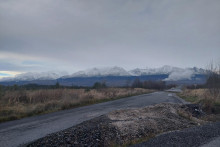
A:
x,y
120,32
7,66
21,67
180,75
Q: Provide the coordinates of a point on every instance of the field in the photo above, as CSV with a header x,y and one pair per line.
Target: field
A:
x,y
16,104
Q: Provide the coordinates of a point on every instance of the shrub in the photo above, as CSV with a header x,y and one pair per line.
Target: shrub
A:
x,y
98,85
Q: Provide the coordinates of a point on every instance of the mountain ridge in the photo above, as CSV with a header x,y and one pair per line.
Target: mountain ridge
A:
x,y
172,74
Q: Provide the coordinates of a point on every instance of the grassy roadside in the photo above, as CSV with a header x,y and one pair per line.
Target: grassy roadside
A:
x,y
191,99
210,104
19,104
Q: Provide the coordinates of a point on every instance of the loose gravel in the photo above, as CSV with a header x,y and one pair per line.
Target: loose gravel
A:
x,y
190,137
122,127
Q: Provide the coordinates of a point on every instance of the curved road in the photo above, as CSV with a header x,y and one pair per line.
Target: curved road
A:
x,y
18,132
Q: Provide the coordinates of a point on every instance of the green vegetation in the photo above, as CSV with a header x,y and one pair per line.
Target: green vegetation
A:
x,y
191,99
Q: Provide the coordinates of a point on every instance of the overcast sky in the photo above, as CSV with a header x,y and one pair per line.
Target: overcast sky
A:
x,y
71,35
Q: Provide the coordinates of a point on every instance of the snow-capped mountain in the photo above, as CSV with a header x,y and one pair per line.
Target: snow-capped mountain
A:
x,y
30,76
174,73
198,70
107,71
165,70
152,71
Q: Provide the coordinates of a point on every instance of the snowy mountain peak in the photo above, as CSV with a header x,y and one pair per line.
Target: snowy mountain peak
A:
x,y
107,71
151,71
30,76
118,71
173,72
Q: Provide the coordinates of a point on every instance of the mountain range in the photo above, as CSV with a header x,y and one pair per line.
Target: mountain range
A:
x,y
117,75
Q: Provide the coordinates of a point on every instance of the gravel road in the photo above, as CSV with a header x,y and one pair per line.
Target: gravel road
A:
x,y
29,129
205,136
121,127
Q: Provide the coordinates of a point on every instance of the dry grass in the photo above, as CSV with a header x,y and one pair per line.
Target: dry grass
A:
x,y
23,103
209,101
193,95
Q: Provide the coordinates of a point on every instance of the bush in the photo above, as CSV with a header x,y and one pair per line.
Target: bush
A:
x,y
212,94
98,85
137,83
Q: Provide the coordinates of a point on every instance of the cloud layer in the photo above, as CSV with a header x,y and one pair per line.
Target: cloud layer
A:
x,y
180,75
74,35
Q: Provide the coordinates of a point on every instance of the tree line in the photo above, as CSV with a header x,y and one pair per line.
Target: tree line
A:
x,y
159,85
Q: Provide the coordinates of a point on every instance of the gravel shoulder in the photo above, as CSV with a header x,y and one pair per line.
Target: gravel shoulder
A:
x,y
26,130
124,127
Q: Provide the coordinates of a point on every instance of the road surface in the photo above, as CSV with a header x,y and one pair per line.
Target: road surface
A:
x,y
207,135
18,132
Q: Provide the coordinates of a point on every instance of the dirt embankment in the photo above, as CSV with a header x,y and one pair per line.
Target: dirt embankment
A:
x,y
124,127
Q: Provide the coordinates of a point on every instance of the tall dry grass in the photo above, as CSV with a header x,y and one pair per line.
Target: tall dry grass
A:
x,y
22,103
205,97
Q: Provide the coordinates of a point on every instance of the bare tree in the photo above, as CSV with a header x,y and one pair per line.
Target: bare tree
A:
x,y
213,84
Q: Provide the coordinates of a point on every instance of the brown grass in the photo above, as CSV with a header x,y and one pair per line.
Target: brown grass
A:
x,y
209,102
22,103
